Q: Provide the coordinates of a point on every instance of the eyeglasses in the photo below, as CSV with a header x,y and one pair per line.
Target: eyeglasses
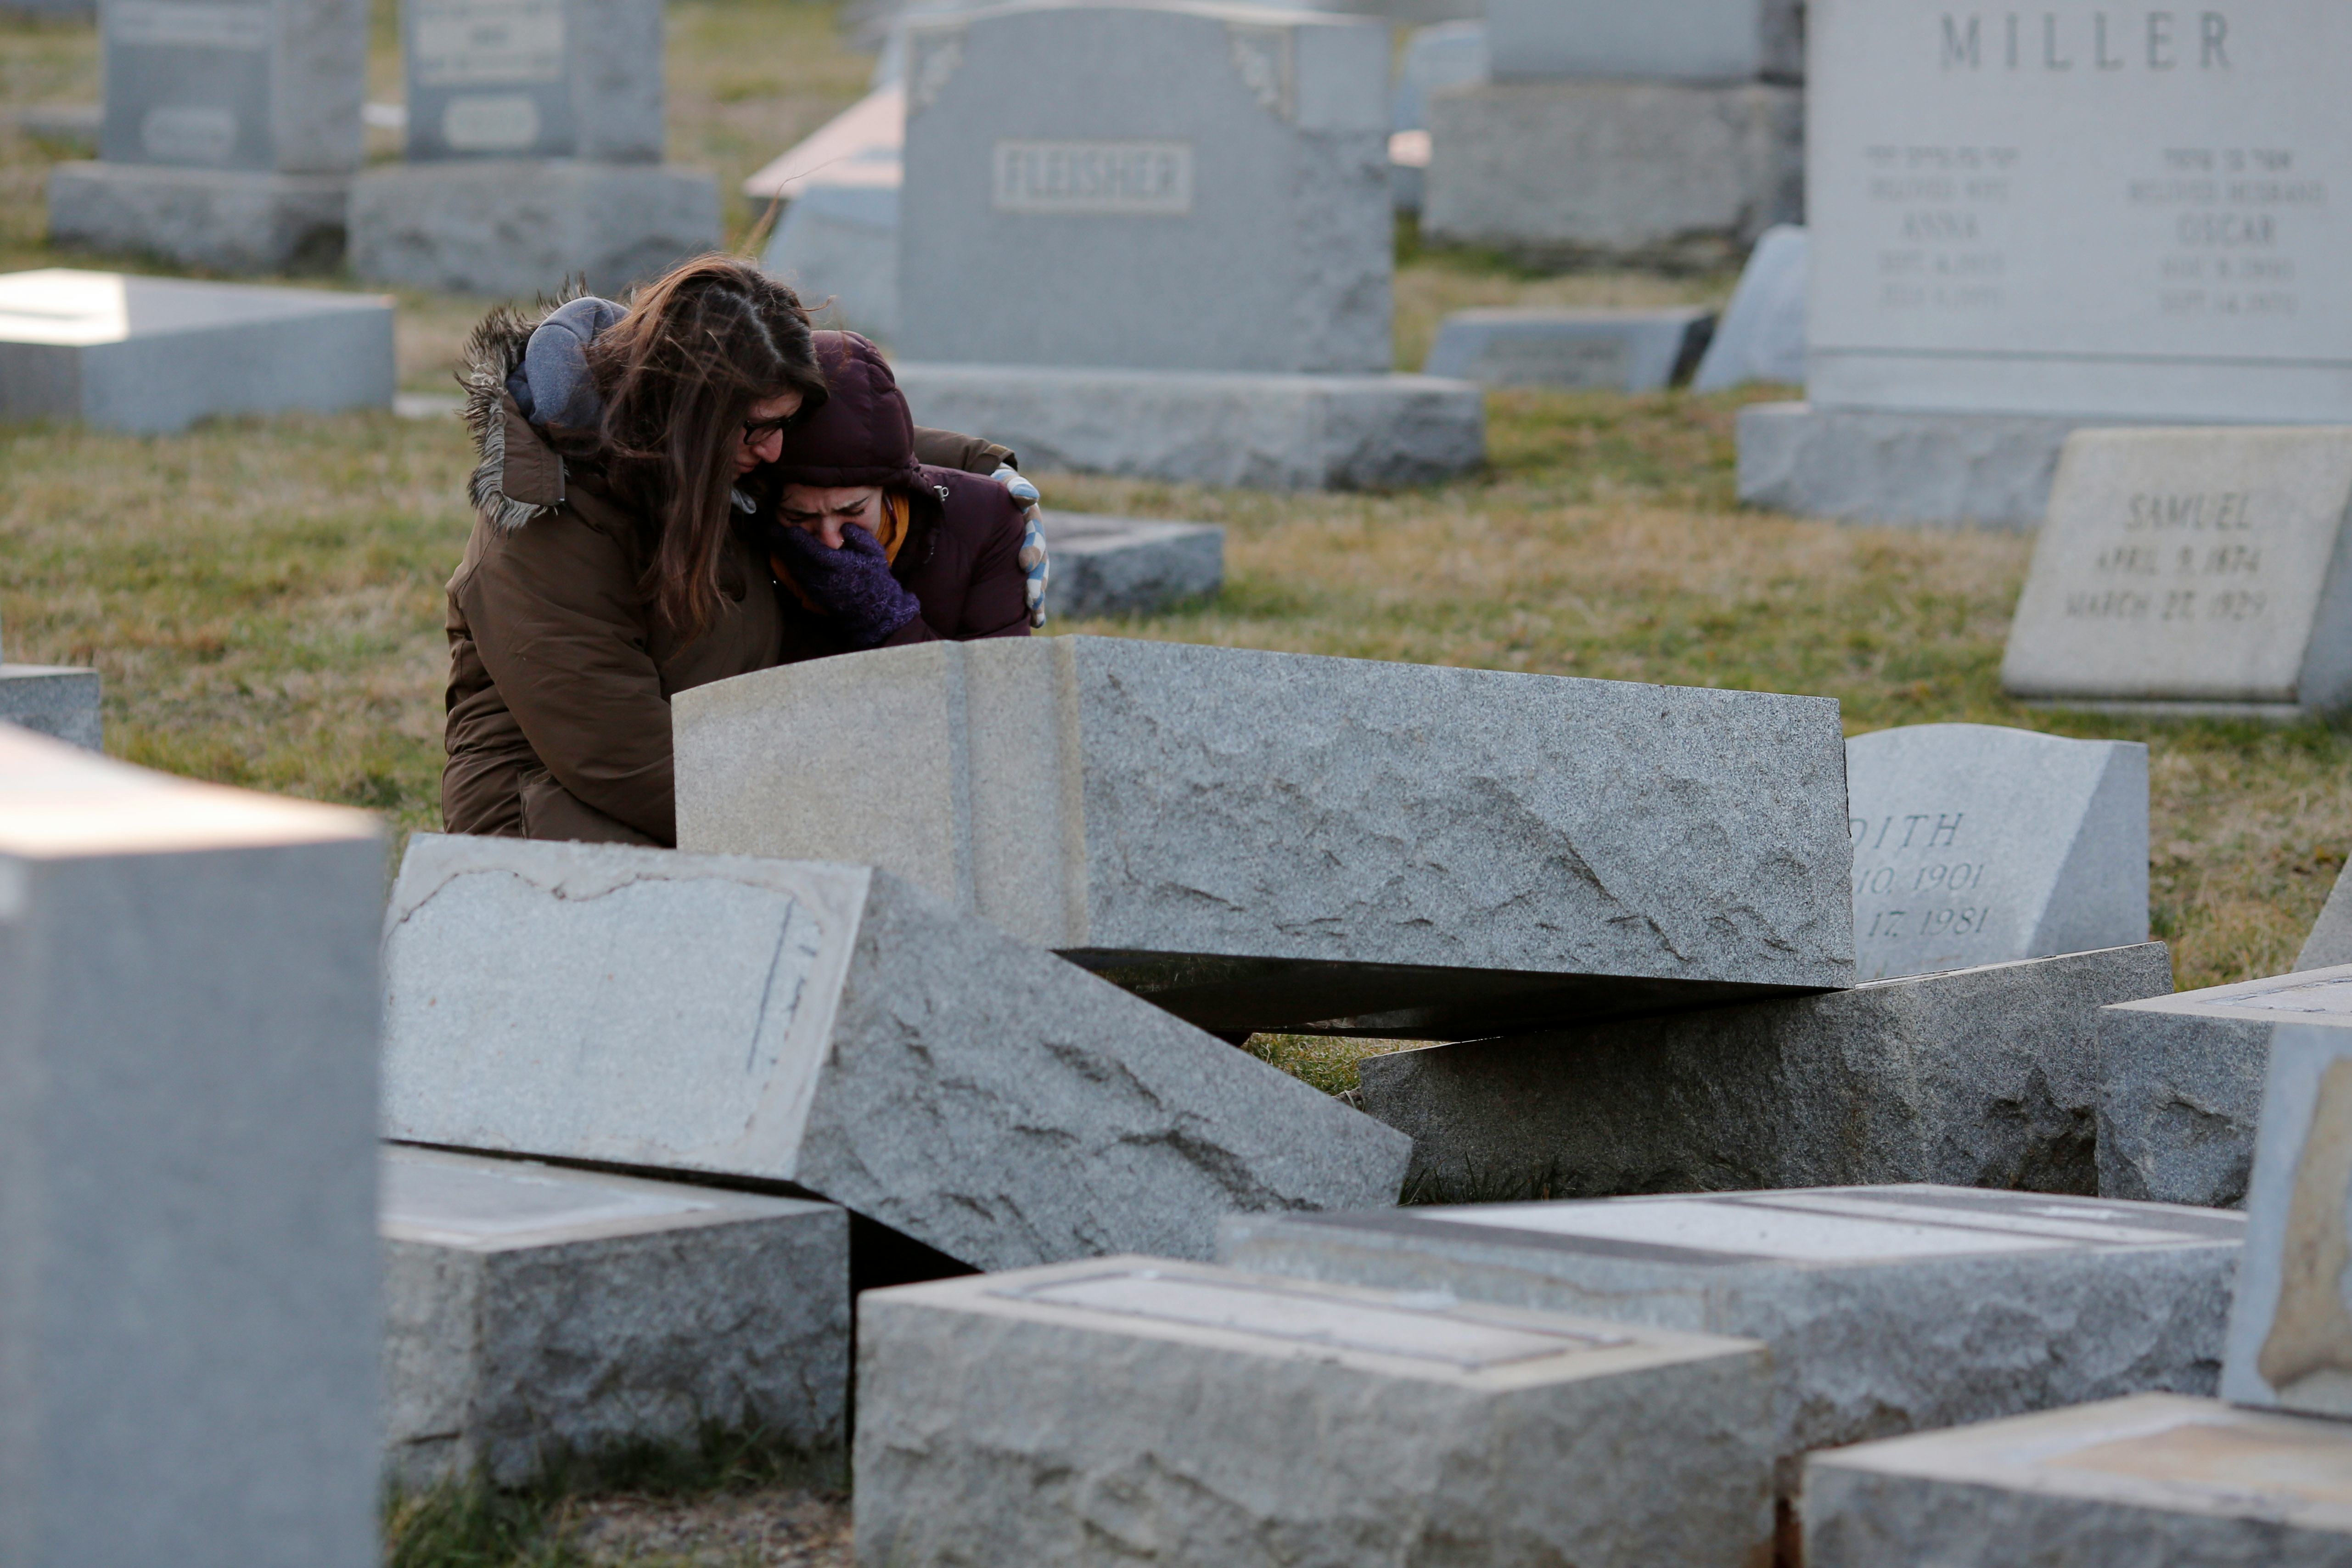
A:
x,y
758,430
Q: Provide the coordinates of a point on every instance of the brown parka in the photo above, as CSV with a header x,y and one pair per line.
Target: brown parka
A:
x,y
560,669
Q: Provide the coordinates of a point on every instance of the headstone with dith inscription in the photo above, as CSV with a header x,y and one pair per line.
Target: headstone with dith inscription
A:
x,y
230,135
2192,570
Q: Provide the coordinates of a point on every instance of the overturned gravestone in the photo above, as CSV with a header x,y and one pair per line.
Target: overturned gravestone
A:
x,y
60,701
2330,941
1974,844
532,1312
2181,1082
1262,1421
1761,336
2291,1330
1886,1308
1266,840
1615,350
831,1028
1130,566
2191,572
187,1147
1974,1077
2156,1479
153,354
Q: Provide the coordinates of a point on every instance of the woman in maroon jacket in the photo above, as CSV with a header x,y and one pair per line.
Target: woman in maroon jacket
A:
x,y
875,550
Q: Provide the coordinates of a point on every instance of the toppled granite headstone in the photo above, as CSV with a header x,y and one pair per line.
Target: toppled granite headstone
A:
x,y
1130,566
57,700
1887,1308
831,1028
2330,941
1185,1414
1616,351
1761,335
1979,1078
1268,841
1975,844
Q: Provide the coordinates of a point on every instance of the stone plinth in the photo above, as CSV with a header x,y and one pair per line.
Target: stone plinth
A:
x,y
1619,351
532,1312
153,354
1975,844
1179,187
2198,567
1267,432
517,226
188,1274
1692,40
1130,566
1627,172
1266,841
2181,1082
55,700
1887,1309
226,220
2188,1483
1260,1421
2290,1329
1993,471
1761,336
831,1028
1977,1078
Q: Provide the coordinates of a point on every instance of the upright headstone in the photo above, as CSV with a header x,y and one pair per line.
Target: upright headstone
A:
x,y
1887,1308
2191,571
535,143
831,1026
1761,335
188,1318
1451,54
1224,830
155,354
1974,844
1189,206
1654,134
230,136
1261,1422
2181,1082
2028,221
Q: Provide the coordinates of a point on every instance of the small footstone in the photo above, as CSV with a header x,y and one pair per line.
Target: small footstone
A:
x,y
1259,1421
531,1311
1979,1077
834,1028
1887,1308
2291,1330
2186,1483
1274,841
1615,350
1975,844
2181,1082
1128,566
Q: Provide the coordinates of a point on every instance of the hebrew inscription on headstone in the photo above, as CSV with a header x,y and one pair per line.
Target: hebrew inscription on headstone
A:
x,y
233,84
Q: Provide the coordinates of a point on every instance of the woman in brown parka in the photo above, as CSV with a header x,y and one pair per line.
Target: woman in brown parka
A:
x,y
621,549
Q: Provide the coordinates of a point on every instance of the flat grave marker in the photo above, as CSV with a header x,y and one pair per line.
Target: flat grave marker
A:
x,y
1617,351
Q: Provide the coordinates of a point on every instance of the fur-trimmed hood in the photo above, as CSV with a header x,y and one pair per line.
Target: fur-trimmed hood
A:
x,y
521,476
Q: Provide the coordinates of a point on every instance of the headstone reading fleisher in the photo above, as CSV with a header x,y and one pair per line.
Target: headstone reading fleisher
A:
x,y
534,153
2026,222
2193,571
230,135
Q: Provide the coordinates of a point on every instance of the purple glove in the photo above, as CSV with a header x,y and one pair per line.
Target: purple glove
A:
x,y
853,584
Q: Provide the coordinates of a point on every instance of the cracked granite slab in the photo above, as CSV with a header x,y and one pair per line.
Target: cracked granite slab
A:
x,y
834,1028
1276,841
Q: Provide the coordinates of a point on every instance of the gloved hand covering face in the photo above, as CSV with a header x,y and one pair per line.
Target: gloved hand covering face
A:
x,y
853,584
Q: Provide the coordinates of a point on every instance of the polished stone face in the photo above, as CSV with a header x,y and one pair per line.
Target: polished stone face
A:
x,y
2291,1330
2191,566
1174,187
2123,213
1975,844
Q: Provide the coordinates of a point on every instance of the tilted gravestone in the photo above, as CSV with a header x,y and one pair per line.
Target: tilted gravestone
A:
x,y
230,135
2156,1478
531,1311
2191,571
1262,1421
831,1028
535,142
155,354
2330,941
2181,1082
2291,1330
1761,336
57,700
1887,1308
2028,222
188,1327
1974,1077
1618,351
1974,844
1266,840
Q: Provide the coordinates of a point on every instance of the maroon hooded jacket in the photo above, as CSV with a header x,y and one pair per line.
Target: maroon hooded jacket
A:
x,y
962,554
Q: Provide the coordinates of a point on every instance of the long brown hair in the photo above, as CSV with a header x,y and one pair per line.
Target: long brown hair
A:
x,y
678,375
